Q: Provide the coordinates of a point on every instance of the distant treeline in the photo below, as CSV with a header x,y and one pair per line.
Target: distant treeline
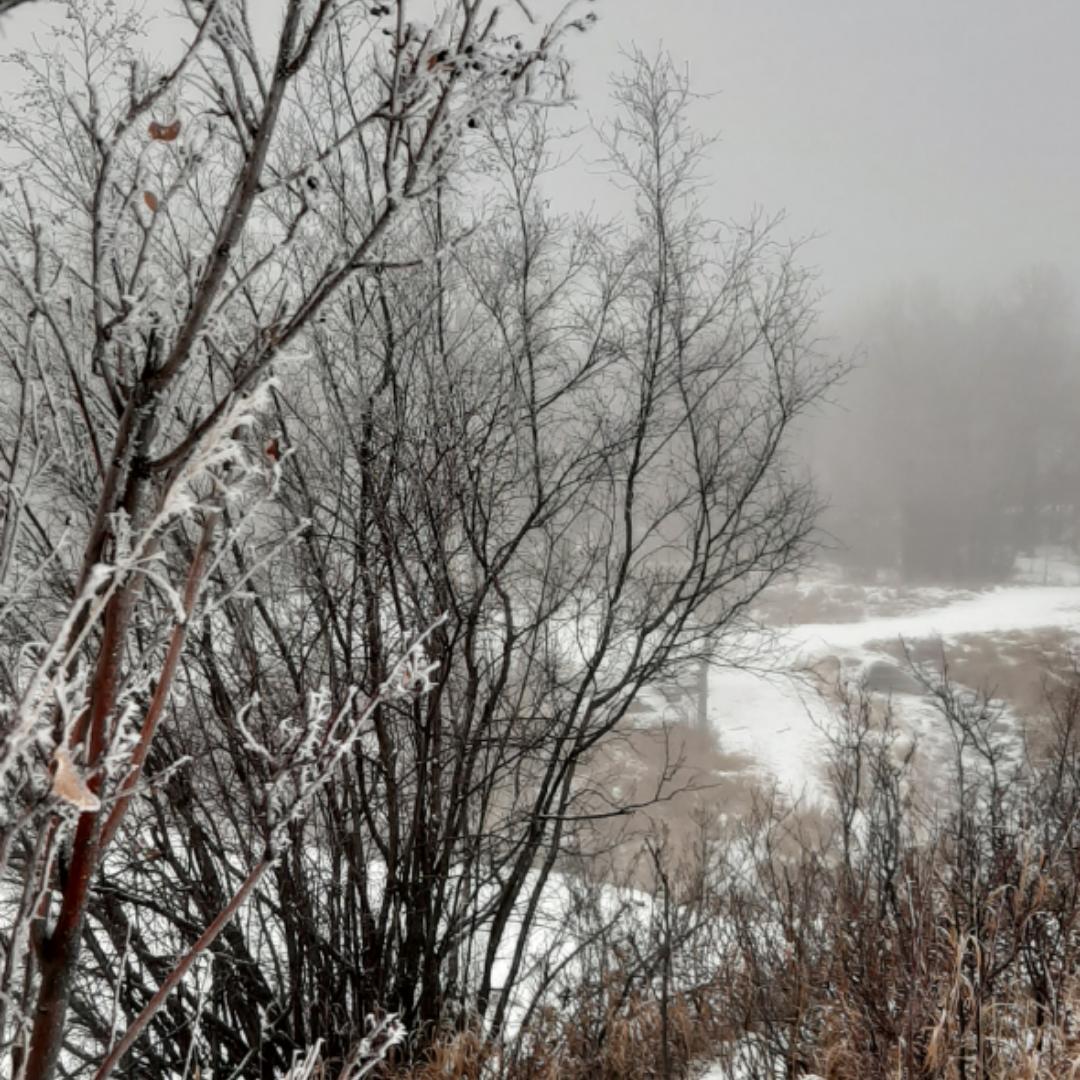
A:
x,y
957,447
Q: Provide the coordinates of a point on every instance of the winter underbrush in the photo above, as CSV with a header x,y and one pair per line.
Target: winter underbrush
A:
x,y
901,931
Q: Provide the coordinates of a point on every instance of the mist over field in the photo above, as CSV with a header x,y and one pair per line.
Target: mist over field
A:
x,y
925,157
539,540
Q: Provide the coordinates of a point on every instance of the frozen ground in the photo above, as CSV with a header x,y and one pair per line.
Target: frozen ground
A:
x,y
774,717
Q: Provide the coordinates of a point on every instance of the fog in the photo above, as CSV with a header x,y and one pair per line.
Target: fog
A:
x,y
955,447
500,583
927,158
912,139
929,154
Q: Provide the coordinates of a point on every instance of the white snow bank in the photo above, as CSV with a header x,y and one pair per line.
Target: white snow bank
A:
x,y
1012,607
775,718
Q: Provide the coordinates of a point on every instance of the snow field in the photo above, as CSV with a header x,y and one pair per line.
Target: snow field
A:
x,y
775,716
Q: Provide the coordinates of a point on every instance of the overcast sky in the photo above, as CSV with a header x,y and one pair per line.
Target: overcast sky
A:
x,y
917,138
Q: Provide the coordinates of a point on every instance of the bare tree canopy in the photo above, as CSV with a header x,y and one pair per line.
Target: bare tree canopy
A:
x,y
351,501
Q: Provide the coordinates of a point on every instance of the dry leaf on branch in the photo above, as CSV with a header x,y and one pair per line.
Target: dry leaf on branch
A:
x,y
69,785
162,132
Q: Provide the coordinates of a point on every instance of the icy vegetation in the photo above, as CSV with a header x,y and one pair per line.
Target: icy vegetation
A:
x,y
415,654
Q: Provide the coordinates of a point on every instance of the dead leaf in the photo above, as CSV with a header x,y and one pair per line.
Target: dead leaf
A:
x,y
162,132
440,57
151,200
69,785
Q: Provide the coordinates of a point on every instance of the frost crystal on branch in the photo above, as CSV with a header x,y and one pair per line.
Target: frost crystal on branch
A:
x,y
174,237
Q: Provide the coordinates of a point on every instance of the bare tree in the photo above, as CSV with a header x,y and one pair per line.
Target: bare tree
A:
x,y
168,237
571,439
345,521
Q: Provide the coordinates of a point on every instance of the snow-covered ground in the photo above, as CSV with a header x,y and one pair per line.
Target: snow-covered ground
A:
x,y
774,717
744,1063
